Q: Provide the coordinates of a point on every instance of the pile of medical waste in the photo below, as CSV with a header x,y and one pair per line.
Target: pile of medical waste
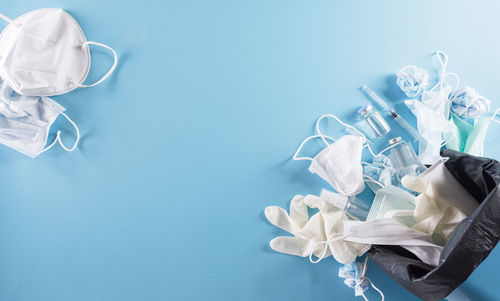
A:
x,y
42,53
434,210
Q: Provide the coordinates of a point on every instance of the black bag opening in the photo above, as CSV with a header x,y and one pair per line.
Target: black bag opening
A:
x,y
468,245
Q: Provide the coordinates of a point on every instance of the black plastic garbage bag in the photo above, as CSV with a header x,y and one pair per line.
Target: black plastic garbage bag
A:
x,y
467,246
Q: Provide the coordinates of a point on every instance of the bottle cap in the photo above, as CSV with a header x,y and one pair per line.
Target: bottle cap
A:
x,y
395,140
367,108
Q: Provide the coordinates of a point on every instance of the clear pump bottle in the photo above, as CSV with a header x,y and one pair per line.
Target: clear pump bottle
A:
x,y
374,120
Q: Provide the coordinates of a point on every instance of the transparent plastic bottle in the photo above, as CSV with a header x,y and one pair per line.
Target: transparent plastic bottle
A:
x,y
404,159
357,208
374,120
354,207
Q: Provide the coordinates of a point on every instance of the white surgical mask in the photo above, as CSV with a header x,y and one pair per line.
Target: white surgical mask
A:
x,y
44,52
339,163
25,122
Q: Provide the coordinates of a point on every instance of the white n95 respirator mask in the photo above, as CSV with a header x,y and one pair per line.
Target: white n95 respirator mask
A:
x,y
25,122
44,53
339,163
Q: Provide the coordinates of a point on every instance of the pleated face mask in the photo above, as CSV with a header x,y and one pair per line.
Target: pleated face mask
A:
x,y
44,52
339,163
25,122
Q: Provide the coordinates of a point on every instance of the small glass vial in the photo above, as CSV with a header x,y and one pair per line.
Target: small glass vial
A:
x,y
404,159
353,207
357,208
375,120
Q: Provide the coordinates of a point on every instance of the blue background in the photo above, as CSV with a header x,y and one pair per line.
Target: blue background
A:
x,y
191,138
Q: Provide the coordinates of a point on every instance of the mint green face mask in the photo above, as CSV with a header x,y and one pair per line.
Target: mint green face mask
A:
x,y
466,137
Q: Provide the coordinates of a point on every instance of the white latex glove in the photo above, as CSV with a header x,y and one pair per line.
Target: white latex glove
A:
x,y
433,215
320,235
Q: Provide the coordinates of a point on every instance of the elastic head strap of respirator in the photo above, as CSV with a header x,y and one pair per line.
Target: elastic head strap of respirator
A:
x,y
58,138
318,130
6,19
115,62
346,125
295,156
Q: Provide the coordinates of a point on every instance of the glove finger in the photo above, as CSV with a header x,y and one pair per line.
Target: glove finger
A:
x,y
414,183
298,211
279,217
290,245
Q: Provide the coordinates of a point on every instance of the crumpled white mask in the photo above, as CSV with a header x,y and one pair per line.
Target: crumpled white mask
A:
x,y
412,80
339,163
467,103
25,122
44,52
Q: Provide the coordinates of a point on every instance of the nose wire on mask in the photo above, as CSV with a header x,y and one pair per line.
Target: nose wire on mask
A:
x,y
110,71
58,138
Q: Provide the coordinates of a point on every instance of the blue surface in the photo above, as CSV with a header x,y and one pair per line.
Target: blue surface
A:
x,y
190,139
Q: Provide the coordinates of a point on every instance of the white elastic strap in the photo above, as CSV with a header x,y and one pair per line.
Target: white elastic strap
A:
x,y
369,149
388,148
58,138
363,277
81,85
6,19
370,179
449,140
492,118
304,142
339,121
323,253
443,61
375,163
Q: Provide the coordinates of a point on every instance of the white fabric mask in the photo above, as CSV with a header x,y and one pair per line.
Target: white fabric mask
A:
x,y
388,231
25,122
44,52
339,163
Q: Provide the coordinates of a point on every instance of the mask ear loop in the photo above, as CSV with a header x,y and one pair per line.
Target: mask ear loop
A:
x,y
363,277
388,148
339,121
443,61
58,138
323,253
115,56
302,145
449,140
370,179
7,19
492,118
